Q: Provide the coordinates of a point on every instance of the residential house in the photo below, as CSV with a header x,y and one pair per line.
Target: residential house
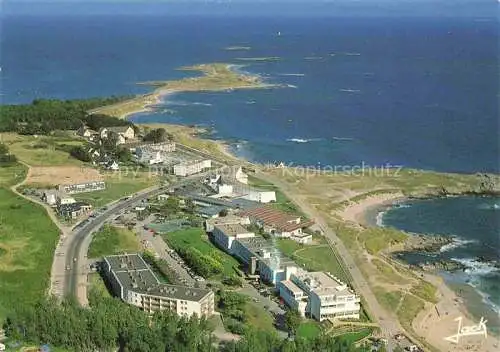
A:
x,y
50,197
73,210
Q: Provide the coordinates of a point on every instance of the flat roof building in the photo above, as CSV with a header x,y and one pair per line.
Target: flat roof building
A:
x,y
319,295
191,167
135,283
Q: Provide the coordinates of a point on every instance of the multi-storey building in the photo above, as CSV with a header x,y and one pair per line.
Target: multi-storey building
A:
x,y
192,167
319,295
135,283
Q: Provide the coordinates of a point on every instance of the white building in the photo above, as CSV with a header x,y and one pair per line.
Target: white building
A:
x,y
224,190
135,283
89,186
50,197
64,199
151,157
225,234
192,167
319,295
259,196
225,220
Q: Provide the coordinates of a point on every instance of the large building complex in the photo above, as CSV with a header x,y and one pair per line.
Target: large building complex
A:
x,y
319,295
89,186
135,283
279,224
315,294
191,167
154,153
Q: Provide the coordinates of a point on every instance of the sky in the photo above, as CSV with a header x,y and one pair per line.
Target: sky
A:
x,y
248,7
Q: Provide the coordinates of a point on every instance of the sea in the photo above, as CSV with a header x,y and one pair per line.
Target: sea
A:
x,y
416,90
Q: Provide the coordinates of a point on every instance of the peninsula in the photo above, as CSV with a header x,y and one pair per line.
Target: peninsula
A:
x,y
216,77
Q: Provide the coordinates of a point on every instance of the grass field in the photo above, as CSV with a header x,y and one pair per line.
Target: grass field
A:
x,y
42,150
113,240
313,257
282,202
352,337
28,239
196,238
117,186
257,317
308,329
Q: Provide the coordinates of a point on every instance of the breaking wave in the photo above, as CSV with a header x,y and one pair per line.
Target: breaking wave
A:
x,y
457,242
185,103
476,267
303,140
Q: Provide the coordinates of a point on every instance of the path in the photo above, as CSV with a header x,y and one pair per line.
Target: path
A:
x,y
57,273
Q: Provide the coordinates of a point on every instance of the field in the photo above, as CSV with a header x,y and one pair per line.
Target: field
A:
x,y
257,317
113,240
282,202
54,175
196,238
28,239
319,257
42,150
118,186
308,329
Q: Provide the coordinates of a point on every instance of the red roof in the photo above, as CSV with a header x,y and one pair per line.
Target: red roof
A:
x,y
276,218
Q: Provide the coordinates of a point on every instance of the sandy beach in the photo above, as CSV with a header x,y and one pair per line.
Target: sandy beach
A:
x,y
436,321
360,213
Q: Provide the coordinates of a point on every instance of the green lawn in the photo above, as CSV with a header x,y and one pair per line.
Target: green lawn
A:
x,y
257,317
196,238
353,337
313,257
282,202
113,240
28,239
308,329
117,187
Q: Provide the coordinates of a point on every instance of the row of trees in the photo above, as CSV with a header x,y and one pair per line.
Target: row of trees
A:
x,y
203,264
158,135
44,116
107,324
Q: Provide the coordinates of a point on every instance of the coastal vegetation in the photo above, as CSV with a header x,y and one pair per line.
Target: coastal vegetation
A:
x,y
341,198
215,77
42,117
111,240
27,240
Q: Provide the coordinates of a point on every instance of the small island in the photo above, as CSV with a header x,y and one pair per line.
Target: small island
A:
x,y
216,77
259,59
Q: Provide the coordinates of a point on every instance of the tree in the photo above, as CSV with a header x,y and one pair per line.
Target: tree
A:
x,y
79,152
292,320
157,135
223,213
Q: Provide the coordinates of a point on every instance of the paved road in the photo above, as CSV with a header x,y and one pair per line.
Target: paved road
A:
x,y
389,324
76,248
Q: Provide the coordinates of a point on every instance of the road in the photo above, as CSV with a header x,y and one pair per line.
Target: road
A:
x,y
388,323
76,244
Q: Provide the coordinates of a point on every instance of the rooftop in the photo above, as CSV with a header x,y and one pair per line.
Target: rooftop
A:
x,y
276,218
322,283
134,274
291,286
228,219
232,229
265,250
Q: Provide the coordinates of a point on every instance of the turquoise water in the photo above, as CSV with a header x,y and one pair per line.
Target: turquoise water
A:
x,y
474,223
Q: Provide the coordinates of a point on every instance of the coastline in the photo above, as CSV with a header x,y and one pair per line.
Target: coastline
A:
x,y
435,321
215,77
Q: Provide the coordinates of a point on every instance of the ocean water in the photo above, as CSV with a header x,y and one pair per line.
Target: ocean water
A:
x,y
417,92
474,224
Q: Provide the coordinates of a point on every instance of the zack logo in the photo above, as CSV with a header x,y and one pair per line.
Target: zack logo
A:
x,y
479,329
